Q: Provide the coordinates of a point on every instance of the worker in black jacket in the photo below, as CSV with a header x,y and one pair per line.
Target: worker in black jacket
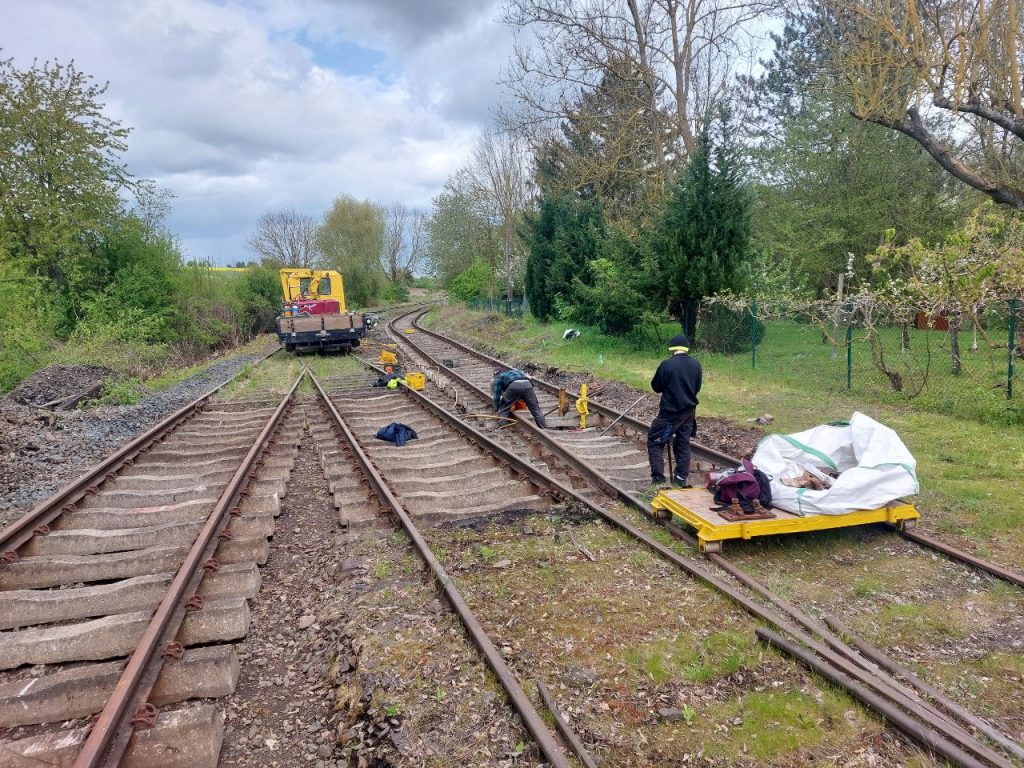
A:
x,y
678,381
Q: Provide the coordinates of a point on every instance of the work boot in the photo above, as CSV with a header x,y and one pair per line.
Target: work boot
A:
x,y
682,483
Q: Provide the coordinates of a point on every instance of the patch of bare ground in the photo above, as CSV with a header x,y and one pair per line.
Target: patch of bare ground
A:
x,y
353,660
650,667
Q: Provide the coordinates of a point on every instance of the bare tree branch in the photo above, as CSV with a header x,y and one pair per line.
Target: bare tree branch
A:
x,y
286,237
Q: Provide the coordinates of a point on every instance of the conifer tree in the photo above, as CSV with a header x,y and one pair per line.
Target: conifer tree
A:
x,y
563,238
704,232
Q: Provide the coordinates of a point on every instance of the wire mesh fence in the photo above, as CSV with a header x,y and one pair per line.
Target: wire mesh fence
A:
x,y
970,365
507,307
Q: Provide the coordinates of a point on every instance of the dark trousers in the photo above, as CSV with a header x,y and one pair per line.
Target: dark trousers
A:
x,y
661,432
522,390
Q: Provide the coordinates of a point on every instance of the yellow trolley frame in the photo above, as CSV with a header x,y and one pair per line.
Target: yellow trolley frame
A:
x,y
694,507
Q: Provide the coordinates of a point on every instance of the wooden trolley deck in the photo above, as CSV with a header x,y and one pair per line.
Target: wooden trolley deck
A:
x,y
694,507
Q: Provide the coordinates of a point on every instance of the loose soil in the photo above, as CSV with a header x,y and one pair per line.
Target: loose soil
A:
x,y
57,382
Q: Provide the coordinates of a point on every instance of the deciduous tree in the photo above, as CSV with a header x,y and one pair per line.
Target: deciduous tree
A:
x,y
933,68
61,174
286,237
351,240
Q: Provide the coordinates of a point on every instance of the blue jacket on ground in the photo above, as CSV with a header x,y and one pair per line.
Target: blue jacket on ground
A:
x,y
396,433
501,382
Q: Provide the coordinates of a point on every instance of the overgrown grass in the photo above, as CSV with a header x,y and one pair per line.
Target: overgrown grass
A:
x,y
971,466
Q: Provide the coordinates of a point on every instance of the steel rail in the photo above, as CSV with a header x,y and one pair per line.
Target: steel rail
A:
x,y
879,658
36,521
531,718
852,669
922,733
1001,572
109,737
563,727
874,677
1006,574
604,410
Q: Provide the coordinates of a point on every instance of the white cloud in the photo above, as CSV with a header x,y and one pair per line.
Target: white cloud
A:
x,y
243,107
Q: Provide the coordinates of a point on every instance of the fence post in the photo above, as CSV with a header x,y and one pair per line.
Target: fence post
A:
x,y
753,333
1011,342
849,356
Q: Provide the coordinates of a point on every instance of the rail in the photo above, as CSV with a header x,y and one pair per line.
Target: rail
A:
x,y
36,521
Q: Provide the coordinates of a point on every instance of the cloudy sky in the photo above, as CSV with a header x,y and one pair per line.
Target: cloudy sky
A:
x,y
245,106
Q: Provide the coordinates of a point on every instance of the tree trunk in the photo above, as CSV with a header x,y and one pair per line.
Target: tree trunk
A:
x,y
508,265
688,318
905,336
954,342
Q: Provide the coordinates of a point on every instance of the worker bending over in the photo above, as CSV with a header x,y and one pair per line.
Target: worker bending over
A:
x,y
511,386
678,381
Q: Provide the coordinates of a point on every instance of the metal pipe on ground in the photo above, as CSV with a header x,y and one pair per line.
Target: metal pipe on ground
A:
x,y
531,718
563,727
920,732
879,658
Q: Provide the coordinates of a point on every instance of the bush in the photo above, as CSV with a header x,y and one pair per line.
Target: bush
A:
x,y
725,330
475,282
395,292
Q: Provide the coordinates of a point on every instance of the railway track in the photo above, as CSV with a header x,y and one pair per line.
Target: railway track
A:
x,y
123,592
607,460
104,569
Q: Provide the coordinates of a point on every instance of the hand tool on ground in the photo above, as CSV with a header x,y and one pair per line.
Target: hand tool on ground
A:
x,y
634,405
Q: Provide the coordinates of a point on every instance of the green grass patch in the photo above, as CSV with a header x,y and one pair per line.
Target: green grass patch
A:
x,y
769,725
913,623
721,654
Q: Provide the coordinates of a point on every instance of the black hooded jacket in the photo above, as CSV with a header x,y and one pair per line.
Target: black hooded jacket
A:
x,y
678,380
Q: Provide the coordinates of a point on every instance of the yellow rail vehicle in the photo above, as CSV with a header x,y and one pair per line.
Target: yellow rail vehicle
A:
x,y
314,315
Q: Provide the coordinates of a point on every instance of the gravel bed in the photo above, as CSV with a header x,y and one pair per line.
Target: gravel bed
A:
x,y
43,450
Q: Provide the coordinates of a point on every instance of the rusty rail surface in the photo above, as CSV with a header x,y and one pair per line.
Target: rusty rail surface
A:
x,y
838,654
37,520
113,728
531,718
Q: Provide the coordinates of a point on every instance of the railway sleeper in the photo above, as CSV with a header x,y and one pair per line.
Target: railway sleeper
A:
x,y
66,694
188,737
57,570
117,635
30,607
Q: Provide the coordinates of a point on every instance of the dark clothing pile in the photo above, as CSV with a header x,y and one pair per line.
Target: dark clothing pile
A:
x,y
397,433
678,380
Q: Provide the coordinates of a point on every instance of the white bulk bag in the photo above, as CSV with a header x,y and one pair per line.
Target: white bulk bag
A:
x,y
874,467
